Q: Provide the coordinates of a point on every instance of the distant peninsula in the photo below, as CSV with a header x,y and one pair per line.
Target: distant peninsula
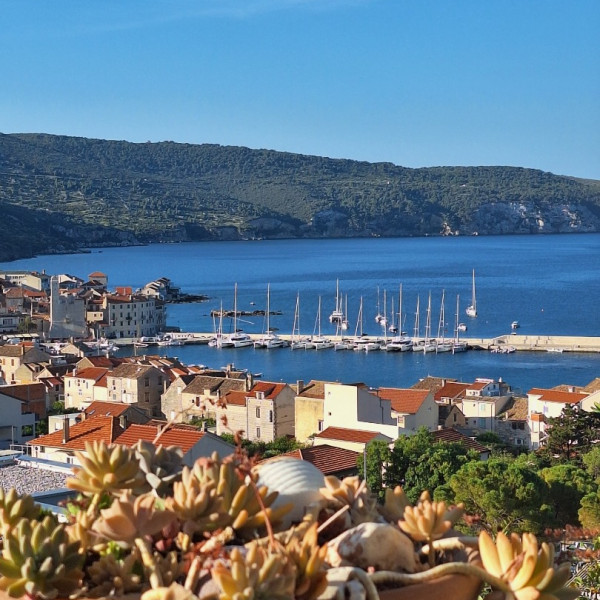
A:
x,y
65,194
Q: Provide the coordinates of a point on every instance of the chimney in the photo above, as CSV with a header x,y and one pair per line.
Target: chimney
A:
x,y
204,428
249,381
66,429
299,386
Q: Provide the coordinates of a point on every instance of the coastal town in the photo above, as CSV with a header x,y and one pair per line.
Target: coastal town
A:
x,y
62,390
52,356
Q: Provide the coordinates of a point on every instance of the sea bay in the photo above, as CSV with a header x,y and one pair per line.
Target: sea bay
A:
x,y
549,284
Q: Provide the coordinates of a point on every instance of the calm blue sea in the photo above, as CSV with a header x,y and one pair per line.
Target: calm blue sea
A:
x,y
550,284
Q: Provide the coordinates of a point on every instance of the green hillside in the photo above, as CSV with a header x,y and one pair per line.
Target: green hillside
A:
x,y
58,193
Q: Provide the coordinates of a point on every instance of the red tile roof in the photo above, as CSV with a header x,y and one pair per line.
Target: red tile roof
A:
x,y
105,409
270,390
171,436
100,429
558,396
451,435
477,385
25,391
452,389
347,435
406,401
328,459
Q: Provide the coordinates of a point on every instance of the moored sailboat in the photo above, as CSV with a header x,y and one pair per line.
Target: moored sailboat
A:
x,y
471,310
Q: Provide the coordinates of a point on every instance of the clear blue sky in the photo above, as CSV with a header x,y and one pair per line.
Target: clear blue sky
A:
x,y
413,82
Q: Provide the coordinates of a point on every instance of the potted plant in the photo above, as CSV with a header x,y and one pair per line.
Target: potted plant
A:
x,y
144,525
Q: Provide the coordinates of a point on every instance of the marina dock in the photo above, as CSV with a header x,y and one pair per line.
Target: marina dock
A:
x,y
521,343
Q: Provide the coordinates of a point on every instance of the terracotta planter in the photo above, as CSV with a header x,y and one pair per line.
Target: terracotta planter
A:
x,y
448,587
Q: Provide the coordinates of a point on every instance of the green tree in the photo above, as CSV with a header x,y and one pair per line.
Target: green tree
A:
x,y
378,456
503,493
567,485
571,434
589,513
415,462
591,461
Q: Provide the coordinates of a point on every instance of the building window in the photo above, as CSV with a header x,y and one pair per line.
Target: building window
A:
x,y
320,425
147,396
270,416
258,413
146,382
482,423
258,432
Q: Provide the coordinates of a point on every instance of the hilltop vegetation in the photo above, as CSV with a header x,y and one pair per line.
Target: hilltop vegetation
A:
x,y
60,193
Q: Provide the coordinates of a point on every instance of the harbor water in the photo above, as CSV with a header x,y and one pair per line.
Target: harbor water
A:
x,y
548,284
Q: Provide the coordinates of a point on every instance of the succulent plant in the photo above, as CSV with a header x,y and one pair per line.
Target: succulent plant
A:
x,y
354,494
394,503
38,560
112,576
525,568
257,574
129,518
160,466
13,508
309,559
197,504
107,469
428,521
246,504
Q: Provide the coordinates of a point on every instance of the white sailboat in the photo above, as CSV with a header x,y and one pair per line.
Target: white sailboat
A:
x,y
343,343
219,340
417,341
338,317
400,342
442,344
269,339
429,343
297,342
471,310
237,338
457,345
317,341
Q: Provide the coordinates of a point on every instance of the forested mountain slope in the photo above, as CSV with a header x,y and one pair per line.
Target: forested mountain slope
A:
x,y
58,193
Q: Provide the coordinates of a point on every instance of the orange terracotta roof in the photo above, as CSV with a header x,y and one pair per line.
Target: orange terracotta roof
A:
x,y
105,409
96,274
558,396
239,398
452,389
235,398
329,459
182,438
477,385
347,435
100,429
24,391
104,361
407,401
451,435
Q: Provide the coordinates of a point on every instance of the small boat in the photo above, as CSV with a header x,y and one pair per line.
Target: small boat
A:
x,y
515,325
559,350
337,317
471,310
